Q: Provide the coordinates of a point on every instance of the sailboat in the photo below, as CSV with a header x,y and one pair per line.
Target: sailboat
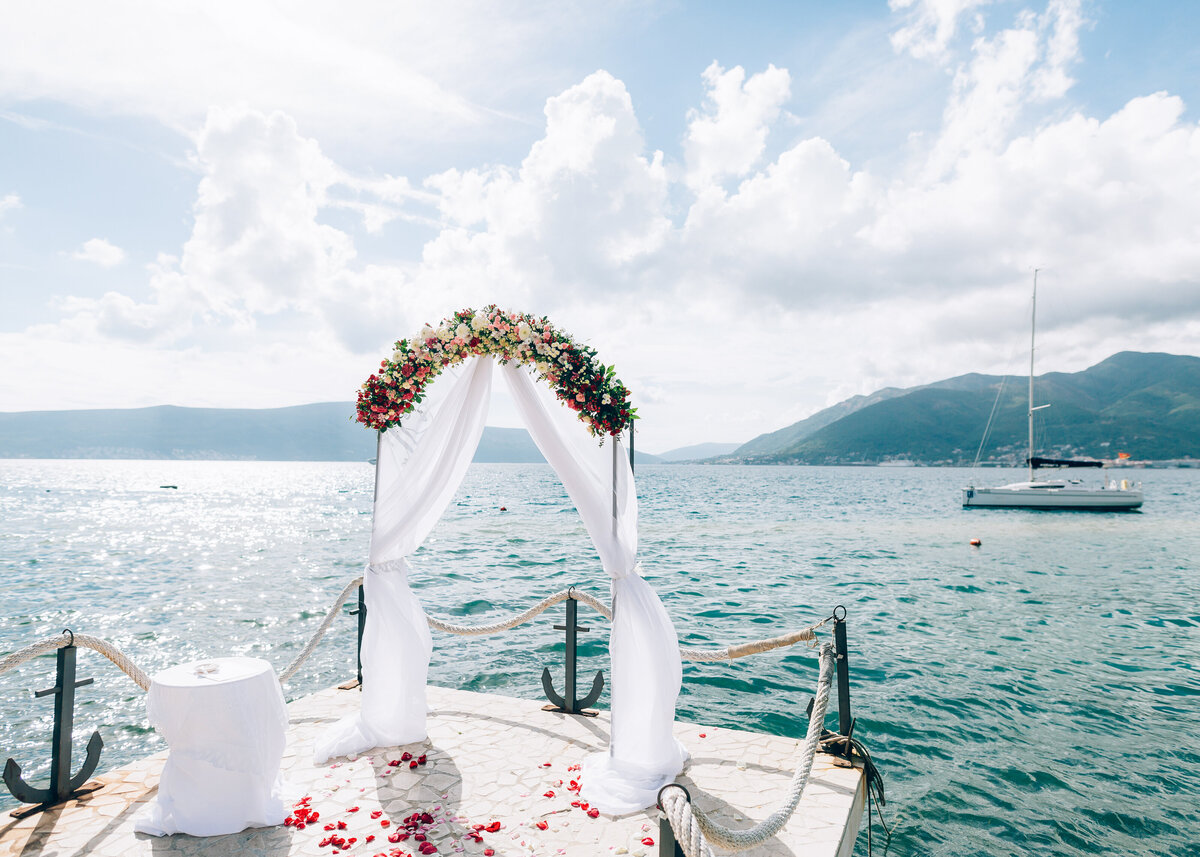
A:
x,y
1054,493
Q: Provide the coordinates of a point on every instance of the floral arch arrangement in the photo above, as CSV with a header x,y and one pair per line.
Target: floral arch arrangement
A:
x,y
572,370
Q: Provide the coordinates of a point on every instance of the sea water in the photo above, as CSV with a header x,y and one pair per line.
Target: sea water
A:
x,y
1039,693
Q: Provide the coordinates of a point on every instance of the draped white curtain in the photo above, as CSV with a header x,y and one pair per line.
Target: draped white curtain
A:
x,y
419,468
646,672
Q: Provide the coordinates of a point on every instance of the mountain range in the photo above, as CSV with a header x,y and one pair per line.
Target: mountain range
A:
x,y
1144,404
319,432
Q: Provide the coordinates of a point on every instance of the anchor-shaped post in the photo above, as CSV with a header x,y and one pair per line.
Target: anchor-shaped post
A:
x,y
63,786
567,703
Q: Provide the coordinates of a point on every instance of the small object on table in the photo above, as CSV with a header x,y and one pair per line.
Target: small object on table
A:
x,y
224,721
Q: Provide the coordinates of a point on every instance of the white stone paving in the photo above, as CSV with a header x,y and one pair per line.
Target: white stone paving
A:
x,y
488,759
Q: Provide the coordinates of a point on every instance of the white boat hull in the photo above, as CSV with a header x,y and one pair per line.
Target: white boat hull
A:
x,y
1026,495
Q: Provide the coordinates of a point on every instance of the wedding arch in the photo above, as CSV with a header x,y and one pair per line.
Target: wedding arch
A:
x,y
427,438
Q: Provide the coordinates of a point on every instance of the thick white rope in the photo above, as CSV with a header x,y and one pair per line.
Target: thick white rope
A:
x,y
291,668
66,638
504,625
695,831
131,669
727,653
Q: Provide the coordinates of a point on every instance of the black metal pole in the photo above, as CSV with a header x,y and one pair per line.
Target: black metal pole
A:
x,y
64,724
571,629
845,722
362,626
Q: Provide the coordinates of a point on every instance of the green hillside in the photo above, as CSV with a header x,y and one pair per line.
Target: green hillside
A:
x,y
1147,405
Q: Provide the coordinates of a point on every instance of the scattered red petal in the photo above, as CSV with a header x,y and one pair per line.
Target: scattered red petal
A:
x,y
370,837
493,827
703,735
341,825
545,764
352,809
541,825
421,758
549,793
395,837
489,852
413,763
593,813
648,840
385,823
377,813
331,827
405,756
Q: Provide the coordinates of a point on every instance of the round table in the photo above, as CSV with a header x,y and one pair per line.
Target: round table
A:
x,y
224,722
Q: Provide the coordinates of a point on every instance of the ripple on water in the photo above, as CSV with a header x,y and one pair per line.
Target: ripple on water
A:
x,y
1035,695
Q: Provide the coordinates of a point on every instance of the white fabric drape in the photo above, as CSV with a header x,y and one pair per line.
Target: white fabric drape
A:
x,y
646,672
419,467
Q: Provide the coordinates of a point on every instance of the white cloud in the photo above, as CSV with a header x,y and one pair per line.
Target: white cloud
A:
x,y
740,311
9,202
931,25
729,136
383,74
100,252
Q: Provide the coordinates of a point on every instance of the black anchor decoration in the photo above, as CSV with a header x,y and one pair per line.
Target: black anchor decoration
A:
x,y
62,785
567,703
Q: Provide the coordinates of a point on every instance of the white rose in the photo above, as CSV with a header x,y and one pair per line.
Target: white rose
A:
x,y
479,322
462,332
426,332
397,356
524,331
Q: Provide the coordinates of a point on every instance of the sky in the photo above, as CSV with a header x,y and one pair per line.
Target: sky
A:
x,y
753,210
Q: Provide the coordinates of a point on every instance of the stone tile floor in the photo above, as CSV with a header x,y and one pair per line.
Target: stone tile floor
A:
x,y
489,759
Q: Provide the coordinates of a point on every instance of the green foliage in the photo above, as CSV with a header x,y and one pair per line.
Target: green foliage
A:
x,y
1147,405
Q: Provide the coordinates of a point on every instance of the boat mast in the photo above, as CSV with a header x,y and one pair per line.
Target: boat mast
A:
x,y
1032,335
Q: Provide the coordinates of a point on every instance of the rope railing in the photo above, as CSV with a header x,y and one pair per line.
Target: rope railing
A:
x,y
290,669
696,833
67,638
727,653
122,661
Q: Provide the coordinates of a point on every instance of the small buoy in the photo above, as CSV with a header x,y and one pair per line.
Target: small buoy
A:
x,y
503,508
975,543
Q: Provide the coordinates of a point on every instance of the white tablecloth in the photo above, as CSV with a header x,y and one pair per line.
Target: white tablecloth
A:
x,y
224,721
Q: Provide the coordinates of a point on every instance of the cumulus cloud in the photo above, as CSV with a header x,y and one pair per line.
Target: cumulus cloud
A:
x,y
100,251
727,138
847,278
587,205
9,202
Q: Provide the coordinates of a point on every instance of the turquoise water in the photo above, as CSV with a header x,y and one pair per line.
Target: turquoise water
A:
x,y
1038,694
